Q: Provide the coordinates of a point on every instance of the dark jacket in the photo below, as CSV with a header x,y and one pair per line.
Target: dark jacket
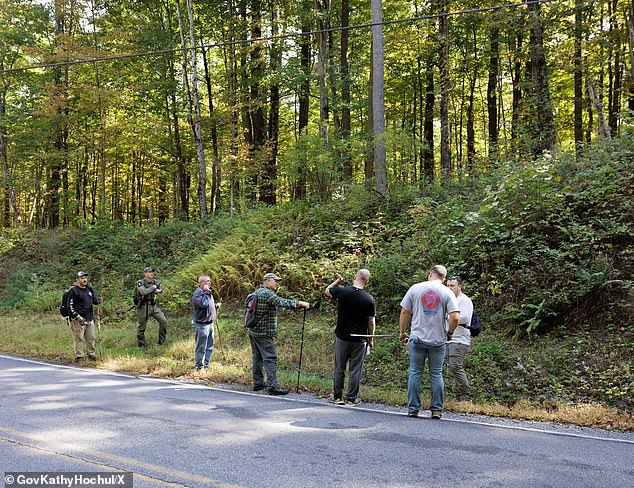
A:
x,y
81,301
204,307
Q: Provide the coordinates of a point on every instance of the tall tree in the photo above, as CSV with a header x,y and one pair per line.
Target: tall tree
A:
x,y
445,83
545,136
378,104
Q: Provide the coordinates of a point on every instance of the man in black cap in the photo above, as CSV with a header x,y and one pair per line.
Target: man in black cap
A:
x,y
263,351
81,298
147,289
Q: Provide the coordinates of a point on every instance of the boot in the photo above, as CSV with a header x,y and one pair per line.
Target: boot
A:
x,y
140,338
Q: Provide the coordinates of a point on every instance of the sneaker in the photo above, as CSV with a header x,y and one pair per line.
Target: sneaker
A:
x,y
412,414
335,400
436,414
258,387
278,390
353,403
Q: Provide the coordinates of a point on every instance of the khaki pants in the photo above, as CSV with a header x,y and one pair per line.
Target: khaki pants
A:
x,y
455,360
83,332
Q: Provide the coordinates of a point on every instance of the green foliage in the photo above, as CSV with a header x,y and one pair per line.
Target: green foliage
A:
x,y
544,248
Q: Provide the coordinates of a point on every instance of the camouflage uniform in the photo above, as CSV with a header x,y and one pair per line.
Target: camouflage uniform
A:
x,y
147,308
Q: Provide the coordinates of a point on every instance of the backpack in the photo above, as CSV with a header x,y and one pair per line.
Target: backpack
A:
x,y
64,307
475,327
250,306
136,297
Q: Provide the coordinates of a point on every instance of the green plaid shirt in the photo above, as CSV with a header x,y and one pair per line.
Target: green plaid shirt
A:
x,y
266,311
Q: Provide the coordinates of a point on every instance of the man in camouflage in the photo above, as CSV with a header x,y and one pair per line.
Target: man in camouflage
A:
x,y
147,289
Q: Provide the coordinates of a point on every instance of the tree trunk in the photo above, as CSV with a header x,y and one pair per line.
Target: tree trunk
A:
x,y
323,12
445,147
197,123
492,107
578,76
215,168
378,113
304,96
8,173
268,190
516,74
346,123
428,123
604,129
546,136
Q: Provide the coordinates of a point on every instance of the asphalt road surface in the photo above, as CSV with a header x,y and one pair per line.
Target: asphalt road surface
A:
x,y
167,433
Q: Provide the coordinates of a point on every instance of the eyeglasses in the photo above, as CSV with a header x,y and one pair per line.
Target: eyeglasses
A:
x,y
456,278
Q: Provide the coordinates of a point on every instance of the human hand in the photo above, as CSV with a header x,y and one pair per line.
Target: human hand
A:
x,y
404,338
218,305
305,305
99,299
339,278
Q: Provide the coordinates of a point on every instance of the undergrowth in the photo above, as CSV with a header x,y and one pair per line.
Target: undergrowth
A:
x,y
544,247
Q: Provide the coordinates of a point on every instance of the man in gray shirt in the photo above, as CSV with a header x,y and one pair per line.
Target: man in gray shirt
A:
x,y
428,303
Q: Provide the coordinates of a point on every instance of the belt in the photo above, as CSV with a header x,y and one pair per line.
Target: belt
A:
x,y
203,323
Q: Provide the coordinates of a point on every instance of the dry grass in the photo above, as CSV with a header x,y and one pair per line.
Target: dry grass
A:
x,y
51,340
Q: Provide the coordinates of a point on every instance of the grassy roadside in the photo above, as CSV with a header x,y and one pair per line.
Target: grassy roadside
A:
x,y
46,336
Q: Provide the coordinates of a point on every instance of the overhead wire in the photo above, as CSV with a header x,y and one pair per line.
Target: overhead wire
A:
x,y
419,18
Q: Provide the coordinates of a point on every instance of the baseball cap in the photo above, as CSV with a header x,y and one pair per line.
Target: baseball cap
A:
x,y
271,276
148,268
81,273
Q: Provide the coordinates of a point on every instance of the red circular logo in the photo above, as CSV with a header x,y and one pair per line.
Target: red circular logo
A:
x,y
430,299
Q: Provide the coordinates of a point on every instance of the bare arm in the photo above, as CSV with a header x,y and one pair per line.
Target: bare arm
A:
x,y
332,285
403,322
371,329
454,318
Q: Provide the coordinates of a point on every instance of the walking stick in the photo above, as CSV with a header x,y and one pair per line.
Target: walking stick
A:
x,y
99,332
222,352
301,351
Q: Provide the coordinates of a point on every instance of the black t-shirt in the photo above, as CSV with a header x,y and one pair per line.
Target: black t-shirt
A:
x,y
81,302
354,306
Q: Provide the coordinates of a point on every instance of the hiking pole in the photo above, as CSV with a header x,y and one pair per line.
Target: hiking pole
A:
x,y
222,352
301,351
99,332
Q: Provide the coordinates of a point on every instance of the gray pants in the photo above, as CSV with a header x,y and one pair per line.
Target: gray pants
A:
x,y
353,355
263,353
455,359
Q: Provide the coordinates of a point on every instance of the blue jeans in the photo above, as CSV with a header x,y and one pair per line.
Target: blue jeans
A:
x,y
204,343
418,352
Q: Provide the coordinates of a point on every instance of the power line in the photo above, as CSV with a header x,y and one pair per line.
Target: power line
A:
x,y
274,38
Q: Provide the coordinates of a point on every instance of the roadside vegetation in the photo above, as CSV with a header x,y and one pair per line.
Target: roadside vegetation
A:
x,y
545,250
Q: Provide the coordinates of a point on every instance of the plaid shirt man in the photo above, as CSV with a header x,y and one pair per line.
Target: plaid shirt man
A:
x,y
266,311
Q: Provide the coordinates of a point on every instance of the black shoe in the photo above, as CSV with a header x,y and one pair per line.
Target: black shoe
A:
x,y
92,358
258,387
412,414
278,390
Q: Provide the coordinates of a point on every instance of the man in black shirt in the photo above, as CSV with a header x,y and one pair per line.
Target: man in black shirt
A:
x,y
80,302
354,331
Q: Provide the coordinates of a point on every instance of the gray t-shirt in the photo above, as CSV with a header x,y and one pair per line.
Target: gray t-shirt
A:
x,y
429,303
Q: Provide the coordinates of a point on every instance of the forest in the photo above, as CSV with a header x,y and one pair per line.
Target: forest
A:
x,y
310,137
144,111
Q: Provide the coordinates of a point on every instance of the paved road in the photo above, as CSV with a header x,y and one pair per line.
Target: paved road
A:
x,y
168,433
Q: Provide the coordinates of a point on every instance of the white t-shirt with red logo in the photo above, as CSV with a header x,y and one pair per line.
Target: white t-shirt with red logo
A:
x,y
429,304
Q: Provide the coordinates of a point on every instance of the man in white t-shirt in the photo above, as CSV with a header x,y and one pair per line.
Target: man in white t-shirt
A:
x,y
430,304
459,343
